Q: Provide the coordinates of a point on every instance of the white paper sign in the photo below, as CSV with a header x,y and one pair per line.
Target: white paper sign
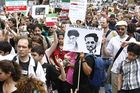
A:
x,y
77,10
83,39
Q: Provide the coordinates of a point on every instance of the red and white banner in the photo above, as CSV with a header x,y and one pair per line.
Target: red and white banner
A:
x,y
16,5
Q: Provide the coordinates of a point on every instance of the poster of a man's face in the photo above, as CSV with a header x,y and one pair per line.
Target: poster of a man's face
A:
x,y
91,42
73,35
40,11
82,39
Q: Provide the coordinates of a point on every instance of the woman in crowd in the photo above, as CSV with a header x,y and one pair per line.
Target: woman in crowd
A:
x,y
10,73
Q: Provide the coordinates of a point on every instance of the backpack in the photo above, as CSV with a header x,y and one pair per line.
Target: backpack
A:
x,y
35,67
98,75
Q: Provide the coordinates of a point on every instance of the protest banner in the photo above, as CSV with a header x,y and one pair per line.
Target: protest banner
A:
x,y
16,5
81,39
64,14
77,10
39,11
51,19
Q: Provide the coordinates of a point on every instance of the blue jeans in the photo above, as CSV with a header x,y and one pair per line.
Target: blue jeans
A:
x,y
108,87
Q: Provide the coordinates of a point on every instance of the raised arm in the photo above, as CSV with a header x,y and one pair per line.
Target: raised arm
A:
x,y
53,46
105,51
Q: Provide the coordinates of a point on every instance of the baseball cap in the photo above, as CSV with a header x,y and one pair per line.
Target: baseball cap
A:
x,y
120,23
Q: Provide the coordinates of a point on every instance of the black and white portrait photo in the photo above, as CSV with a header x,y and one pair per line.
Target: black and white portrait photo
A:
x,y
91,41
39,11
72,39
87,40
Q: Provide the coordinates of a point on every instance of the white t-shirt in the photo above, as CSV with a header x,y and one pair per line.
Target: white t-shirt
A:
x,y
113,47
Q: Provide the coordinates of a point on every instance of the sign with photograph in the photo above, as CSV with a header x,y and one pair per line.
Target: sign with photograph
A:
x,y
40,11
16,5
77,10
83,39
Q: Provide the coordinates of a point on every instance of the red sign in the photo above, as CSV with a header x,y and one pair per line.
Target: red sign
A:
x,y
16,8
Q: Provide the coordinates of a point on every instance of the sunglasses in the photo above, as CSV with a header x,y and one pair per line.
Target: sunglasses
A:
x,y
120,28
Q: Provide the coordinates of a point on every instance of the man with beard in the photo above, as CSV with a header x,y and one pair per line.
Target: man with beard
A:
x,y
91,42
113,47
72,42
112,22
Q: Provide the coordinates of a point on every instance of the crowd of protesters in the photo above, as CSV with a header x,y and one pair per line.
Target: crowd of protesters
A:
x,y
32,59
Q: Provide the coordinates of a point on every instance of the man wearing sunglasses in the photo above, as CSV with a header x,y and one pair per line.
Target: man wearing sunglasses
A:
x,y
112,49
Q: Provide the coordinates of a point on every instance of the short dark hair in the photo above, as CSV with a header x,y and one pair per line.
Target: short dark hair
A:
x,y
131,28
132,47
30,27
38,49
94,35
13,20
5,46
60,33
73,32
37,25
28,39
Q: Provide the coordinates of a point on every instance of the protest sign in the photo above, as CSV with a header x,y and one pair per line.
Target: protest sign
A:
x,y
81,39
64,14
77,10
39,11
16,5
51,19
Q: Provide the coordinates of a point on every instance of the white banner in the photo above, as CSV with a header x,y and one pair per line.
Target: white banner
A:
x,y
16,5
83,39
77,10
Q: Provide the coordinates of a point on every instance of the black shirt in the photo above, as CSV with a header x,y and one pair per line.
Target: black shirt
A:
x,y
84,79
24,66
1,86
52,75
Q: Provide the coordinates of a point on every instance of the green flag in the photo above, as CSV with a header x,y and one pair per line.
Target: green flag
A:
x,y
65,0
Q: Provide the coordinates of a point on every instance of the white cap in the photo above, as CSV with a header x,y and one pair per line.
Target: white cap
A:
x,y
120,23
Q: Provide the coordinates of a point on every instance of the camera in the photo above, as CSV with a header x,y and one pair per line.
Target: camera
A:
x,y
65,62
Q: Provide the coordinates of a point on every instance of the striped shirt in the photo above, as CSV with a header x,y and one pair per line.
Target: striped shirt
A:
x,y
131,74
